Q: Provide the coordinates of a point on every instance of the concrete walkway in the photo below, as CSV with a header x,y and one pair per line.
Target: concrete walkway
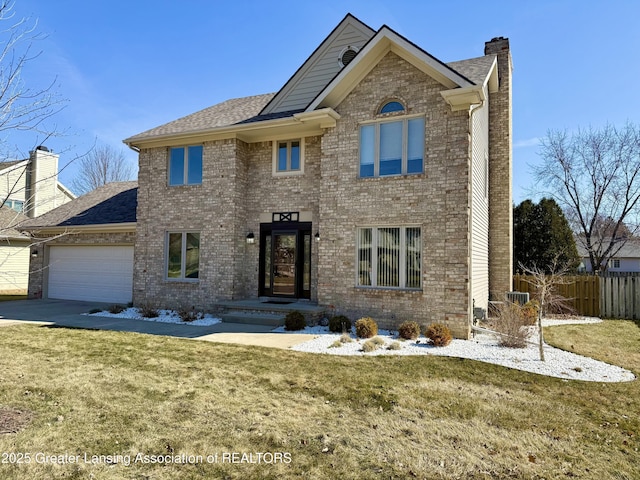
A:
x,y
66,313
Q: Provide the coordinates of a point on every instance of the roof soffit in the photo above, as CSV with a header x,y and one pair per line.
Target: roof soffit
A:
x,y
385,41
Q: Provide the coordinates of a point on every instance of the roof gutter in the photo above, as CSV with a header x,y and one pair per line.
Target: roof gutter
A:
x,y
322,118
77,229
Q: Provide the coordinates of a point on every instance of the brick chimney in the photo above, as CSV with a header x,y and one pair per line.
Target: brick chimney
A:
x,y
500,175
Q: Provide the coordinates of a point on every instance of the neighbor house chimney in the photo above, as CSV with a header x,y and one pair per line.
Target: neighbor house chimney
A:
x,y
42,182
500,176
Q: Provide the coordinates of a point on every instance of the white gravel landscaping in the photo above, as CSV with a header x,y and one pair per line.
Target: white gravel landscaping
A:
x,y
482,347
165,316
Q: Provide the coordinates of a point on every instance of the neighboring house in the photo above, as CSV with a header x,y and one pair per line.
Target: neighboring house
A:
x,y
86,249
377,182
625,260
28,188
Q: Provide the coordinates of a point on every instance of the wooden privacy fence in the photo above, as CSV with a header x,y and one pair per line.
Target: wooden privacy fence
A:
x,y
608,296
620,297
581,291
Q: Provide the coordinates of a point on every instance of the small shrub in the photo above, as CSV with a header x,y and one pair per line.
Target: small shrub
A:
x,y
339,323
409,330
345,338
395,346
366,327
372,344
336,344
439,334
294,321
115,309
189,315
94,310
511,324
147,311
530,312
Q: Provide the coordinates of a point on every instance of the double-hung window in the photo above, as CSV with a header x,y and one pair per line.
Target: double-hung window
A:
x,y
185,165
288,157
183,255
392,147
389,257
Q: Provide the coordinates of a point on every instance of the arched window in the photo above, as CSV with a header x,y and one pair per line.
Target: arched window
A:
x,y
393,106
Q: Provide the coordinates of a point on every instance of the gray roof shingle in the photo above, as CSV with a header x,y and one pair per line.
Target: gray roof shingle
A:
x,y
10,221
475,69
230,112
239,111
110,204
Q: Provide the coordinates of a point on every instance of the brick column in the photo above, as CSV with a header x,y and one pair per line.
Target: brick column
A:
x,y
500,152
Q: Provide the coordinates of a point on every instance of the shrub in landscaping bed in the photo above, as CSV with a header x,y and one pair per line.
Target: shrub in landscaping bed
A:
x,y
339,323
115,309
294,321
511,324
366,327
530,312
409,330
439,334
372,344
395,346
147,311
189,315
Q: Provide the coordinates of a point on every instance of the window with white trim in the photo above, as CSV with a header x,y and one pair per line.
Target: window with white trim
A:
x,y
288,156
183,255
614,263
394,147
389,257
185,165
17,205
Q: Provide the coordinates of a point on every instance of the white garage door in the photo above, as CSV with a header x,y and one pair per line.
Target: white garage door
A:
x,y
94,273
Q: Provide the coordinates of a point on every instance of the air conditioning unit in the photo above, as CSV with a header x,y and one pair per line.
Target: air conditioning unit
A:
x,y
518,297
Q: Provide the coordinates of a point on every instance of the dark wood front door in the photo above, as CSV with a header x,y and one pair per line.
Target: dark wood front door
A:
x,y
285,260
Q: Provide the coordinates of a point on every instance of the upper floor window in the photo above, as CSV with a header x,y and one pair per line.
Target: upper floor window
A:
x,y
392,107
392,147
17,205
288,156
185,165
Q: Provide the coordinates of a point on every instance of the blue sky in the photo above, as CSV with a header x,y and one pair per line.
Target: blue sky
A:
x,y
129,65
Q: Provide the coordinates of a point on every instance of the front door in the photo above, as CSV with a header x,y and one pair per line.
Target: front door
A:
x,y
285,260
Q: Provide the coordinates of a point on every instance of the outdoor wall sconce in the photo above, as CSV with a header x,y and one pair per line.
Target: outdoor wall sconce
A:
x,y
34,254
251,238
317,236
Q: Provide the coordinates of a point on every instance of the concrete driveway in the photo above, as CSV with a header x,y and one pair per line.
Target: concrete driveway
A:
x,y
68,313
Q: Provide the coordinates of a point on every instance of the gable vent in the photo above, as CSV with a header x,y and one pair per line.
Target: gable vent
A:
x,y
347,55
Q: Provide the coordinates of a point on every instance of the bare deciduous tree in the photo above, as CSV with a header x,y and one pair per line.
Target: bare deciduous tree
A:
x,y
102,165
545,283
22,107
594,175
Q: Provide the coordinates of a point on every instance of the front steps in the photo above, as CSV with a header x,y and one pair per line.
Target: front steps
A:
x,y
270,313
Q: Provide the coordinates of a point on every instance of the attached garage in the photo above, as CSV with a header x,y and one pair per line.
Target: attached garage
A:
x,y
92,273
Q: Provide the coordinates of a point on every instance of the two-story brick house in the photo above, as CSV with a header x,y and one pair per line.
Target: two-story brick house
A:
x,y
377,181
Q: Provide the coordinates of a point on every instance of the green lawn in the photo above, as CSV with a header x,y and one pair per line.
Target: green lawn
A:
x,y
123,394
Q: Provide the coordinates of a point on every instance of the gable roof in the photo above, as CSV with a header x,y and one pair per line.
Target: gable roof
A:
x,y
321,66
10,221
384,41
263,117
112,204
